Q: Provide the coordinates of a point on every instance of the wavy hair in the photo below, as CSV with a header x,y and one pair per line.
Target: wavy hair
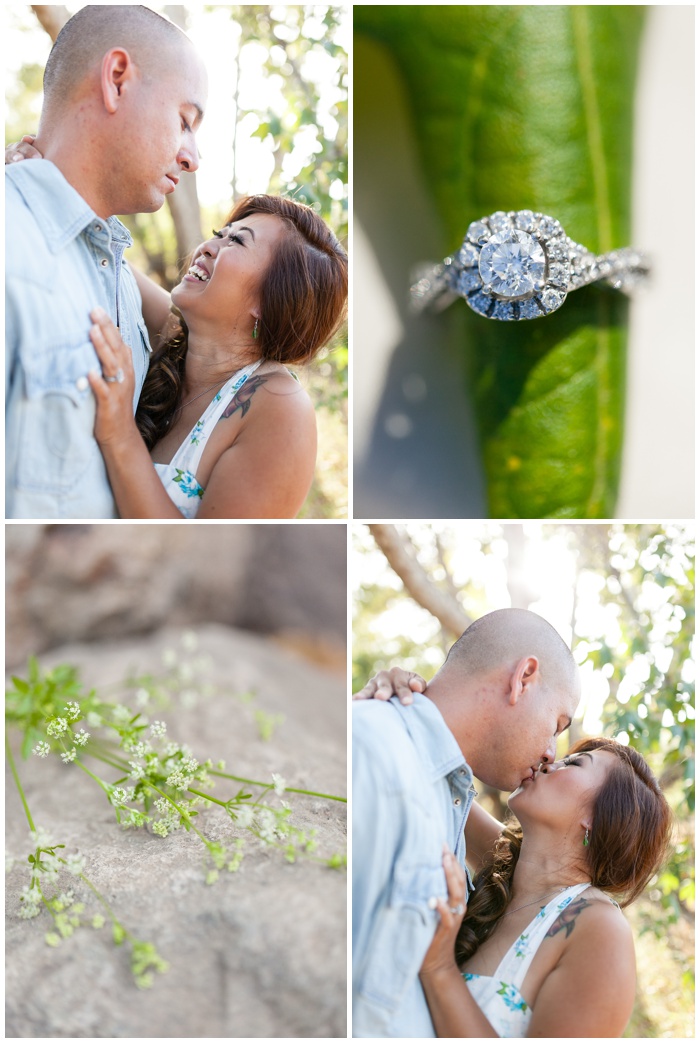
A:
x,y
302,304
630,833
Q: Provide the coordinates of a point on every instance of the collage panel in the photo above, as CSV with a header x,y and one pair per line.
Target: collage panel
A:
x,y
177,217
523,780
176,724
518,267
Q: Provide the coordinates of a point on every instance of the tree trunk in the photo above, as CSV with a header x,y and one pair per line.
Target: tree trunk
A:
x,y
183,202
52,18
399,553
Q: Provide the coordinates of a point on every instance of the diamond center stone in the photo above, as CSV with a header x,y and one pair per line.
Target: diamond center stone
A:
x,y
512,264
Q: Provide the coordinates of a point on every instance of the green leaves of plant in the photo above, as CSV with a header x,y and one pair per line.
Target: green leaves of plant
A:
x,y
531,107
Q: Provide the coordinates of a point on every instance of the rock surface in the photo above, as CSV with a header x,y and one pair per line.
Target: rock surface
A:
x,y
262,952
93,582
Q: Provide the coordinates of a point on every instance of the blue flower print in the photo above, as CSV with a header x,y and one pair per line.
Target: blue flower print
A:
x,y
511,997
521,945
188,483
196,432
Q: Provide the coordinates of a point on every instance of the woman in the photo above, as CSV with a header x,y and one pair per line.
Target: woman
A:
x,y
543,950
229,429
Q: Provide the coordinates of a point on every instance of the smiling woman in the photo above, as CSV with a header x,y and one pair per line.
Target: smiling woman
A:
x,y
230,431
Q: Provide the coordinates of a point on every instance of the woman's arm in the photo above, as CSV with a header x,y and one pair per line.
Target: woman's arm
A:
x,y
454,1011
155,304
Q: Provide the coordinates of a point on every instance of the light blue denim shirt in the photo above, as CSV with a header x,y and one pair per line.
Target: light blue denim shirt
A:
x,y
412,792
61,261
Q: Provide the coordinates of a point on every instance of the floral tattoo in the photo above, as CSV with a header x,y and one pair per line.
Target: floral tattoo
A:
x,y
242,399
567,920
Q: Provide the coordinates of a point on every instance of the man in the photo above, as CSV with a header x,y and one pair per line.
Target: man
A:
x,y
124,93
507,690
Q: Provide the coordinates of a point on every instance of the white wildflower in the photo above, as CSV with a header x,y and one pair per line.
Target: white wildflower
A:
x,y
42,749
81,737
142,697
122,714
160,827
137,772
118,796
158,730
171,749
190,641
279,784
94,719
178,780
40,838
75,864
57,727
245,816
69,755
141,749
72,711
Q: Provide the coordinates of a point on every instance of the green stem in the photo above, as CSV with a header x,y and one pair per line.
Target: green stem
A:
x,y
18,784
180,811
106,904
270,785
103,785
207,796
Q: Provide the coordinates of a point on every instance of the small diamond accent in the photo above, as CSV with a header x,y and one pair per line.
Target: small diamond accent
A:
x,y
558,276
480,302
529,309
525,220
500,221
468,280
503,310
468,255
552,299
478,232
557,250
548,227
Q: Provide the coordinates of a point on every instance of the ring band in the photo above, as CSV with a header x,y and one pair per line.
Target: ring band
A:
x,y
458,910
118,377
521,265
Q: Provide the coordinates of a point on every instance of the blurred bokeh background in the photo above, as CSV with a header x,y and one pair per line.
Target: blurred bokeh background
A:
x,y
90,583
276,122
623,596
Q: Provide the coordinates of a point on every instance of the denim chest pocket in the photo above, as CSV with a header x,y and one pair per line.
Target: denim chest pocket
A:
x,y
57,443
403,931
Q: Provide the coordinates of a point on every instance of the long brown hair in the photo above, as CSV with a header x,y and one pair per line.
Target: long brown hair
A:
x,y
630,832
302,304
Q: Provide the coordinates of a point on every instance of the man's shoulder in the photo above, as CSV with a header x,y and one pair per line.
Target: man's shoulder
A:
x,y
380,733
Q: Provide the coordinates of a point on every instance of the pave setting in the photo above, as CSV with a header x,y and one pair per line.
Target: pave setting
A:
x,y
520,265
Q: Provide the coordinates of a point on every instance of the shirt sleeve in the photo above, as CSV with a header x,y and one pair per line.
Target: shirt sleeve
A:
x,y
392,924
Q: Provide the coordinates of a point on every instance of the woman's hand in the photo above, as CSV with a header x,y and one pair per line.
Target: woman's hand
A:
x,y
440,957
392,682
114,386
23,149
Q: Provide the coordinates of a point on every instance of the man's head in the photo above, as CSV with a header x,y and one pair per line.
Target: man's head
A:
x,y
124,92
508,688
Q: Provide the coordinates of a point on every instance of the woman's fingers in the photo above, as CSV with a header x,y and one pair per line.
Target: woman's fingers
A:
x,y
456,880
104,350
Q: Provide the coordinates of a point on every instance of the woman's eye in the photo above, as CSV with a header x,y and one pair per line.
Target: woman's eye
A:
x,y
236,239
217,235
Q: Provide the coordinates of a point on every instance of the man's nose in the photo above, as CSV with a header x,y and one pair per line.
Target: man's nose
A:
x,y
188,158
550,753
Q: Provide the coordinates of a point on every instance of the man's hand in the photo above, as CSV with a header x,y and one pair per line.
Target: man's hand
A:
x,y
23,149
392,682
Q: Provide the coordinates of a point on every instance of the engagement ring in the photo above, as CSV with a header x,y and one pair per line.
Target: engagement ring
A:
x,y
118,377
521,265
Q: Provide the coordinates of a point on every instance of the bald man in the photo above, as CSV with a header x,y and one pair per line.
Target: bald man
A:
x,y
508,688
124,93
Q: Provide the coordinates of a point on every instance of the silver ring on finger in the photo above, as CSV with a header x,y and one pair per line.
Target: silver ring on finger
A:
x,y
458,910
118,377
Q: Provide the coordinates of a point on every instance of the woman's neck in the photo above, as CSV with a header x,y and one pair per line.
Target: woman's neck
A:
x,y
545,865
211,361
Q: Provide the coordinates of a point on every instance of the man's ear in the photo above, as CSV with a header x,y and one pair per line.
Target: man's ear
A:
x,y
524,673
117,69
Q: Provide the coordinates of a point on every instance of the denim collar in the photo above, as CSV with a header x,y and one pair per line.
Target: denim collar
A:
x,y
62,214
433,739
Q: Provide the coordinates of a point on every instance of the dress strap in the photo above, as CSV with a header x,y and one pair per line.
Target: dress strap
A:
x,y
516,962
190,452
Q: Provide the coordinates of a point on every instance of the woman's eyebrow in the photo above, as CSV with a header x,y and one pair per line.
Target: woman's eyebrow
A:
x,y
244,228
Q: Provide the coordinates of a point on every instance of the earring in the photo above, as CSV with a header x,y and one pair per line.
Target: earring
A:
x,y
585,839
255,330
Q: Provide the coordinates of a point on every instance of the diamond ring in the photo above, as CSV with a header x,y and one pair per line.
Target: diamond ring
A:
x,y
521,265
118,377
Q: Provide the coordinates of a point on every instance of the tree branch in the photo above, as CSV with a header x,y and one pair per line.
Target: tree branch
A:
x,y
403,561
51,18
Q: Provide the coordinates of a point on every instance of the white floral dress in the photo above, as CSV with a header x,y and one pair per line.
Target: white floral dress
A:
x,y
179,476
499,996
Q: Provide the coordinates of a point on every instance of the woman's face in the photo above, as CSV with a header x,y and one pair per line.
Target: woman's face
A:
x,y
223,283
562,795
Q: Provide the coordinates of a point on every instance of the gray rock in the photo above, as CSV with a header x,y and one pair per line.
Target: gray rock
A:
x,y
261,953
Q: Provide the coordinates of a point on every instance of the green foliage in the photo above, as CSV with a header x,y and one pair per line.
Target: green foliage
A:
x,y
531,107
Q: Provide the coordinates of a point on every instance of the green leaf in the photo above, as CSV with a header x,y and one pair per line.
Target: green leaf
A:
x,y
531,107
